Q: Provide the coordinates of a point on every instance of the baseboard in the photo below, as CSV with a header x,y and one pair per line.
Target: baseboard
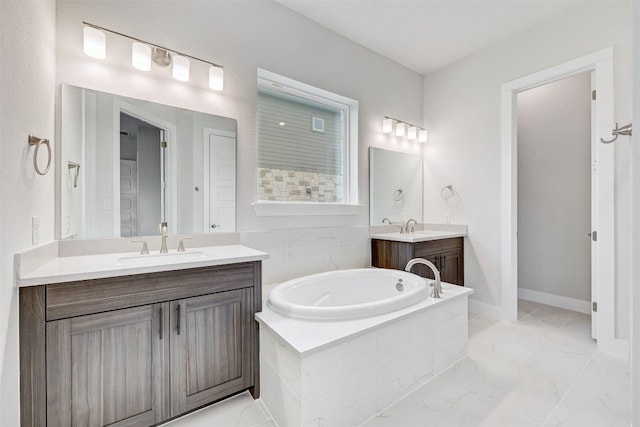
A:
x,y
573,304
491,311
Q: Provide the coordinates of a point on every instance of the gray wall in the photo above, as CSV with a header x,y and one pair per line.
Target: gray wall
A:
x,y
635,143
554,188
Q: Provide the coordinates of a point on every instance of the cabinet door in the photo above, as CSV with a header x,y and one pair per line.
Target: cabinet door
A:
x,y
106,369
211,348
452,269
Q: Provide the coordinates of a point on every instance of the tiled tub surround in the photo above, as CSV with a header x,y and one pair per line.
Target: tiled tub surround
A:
x,y
341,373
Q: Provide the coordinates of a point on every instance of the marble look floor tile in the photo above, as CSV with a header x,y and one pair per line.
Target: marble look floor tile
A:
x,y
553,315
526,307
581,321
237,411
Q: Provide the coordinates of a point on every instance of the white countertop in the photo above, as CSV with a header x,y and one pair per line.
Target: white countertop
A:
x,y
418,236
74,268
308,336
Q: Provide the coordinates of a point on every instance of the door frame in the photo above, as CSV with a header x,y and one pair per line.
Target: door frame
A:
x,y
171,173
601,63
207,131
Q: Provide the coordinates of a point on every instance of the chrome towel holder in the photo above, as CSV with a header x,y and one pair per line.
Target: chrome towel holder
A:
x,y
34,140
624,130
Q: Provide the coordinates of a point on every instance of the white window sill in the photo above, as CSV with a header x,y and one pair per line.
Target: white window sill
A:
x,y
266,208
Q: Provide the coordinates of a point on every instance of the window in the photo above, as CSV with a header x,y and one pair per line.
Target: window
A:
x,y
307,143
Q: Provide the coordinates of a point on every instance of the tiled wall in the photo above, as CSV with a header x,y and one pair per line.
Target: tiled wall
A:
x,y
298,252
290,185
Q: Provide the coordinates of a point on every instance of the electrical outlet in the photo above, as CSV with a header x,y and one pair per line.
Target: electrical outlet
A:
x,y
35,230
447,217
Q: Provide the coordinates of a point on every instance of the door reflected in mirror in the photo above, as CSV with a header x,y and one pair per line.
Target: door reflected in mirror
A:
x,y
395,183
143,164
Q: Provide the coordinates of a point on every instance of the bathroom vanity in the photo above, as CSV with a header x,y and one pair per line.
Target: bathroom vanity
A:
x,y
136,347
444,249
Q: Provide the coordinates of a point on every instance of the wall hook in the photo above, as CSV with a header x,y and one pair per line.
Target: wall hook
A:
x,y
34,140
624,130
73,165
398,194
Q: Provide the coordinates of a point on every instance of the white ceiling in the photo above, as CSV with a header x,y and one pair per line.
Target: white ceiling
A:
x,y
424,35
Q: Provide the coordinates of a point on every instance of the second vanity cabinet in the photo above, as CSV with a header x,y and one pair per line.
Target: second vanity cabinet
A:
x,y
446,254
138,350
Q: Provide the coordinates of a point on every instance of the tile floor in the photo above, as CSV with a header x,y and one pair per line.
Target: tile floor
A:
x,y
543,371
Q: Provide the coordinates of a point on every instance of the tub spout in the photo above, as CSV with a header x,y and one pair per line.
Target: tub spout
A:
x,y
437,287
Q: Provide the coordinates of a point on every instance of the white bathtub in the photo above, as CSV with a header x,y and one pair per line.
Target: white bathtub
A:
x,y
339,372
347,294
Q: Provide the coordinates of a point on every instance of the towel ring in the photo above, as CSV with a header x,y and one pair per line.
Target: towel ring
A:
x,y
446,192
398,194
34,140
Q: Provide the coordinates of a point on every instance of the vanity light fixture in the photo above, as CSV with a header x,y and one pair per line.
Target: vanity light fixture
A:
x,y
181,67
412,133
403,128
141,56
143,52
95,43
387,125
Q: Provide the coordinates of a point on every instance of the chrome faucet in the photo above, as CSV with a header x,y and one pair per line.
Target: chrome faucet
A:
x,y
386,219
437,287
163,233
412,230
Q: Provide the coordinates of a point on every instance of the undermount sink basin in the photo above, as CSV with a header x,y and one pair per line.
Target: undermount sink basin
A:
x,y
158,258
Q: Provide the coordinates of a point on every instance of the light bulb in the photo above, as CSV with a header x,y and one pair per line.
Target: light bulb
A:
x,y
387,126
181,66
216,77
422,135
400,129
141,56
413,133
95,43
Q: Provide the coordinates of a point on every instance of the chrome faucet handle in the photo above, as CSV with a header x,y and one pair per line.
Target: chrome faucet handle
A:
x,y
145,248
401,229
181,244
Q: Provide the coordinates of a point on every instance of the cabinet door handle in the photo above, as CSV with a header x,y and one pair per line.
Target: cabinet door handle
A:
x,y
161,322
438,262
444,262
178,319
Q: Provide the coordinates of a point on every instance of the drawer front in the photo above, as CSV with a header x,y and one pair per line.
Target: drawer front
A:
x,y
94,296
436,247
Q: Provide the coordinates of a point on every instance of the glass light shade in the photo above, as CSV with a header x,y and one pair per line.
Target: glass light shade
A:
x,y
216,77
400,129
387,126
95,43
413,133
181,67
141,56
422,136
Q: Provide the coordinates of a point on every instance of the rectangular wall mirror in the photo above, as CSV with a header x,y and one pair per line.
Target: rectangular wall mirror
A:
x,y
128,165
395,183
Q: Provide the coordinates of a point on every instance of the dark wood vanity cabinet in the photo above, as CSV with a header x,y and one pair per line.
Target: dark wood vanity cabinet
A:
x,y
446,254
138,350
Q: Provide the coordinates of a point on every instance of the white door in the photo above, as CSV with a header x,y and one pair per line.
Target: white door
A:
x,y
222,187
594,211
128,198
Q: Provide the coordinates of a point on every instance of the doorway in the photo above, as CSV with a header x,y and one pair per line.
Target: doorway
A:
x,y
142,171
554,193
603,275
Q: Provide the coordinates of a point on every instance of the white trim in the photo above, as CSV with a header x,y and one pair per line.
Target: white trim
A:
x,y
568,303
268,208
602,63
270,81
491,311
